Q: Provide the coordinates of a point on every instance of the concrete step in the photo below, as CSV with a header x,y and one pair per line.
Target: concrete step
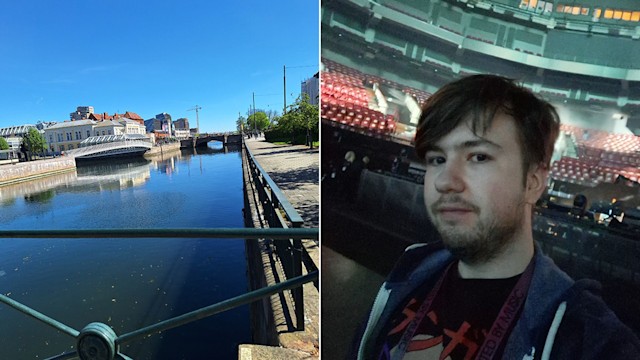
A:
x,y
262,352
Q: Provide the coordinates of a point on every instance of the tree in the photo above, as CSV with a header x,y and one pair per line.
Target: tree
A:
x,y
258,121
34,142
272,115
241,123
300,124
4,145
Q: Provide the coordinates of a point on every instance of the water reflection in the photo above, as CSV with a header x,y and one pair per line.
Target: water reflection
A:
x,y
127,283
9,193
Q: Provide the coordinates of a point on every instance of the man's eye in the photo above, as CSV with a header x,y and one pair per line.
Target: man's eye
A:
x,y
479,157
435,160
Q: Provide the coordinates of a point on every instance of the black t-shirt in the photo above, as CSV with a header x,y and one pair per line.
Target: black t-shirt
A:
x,y
455,326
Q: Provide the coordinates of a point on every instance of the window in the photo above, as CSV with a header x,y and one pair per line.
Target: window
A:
x,y
635,16
61,147
50,138
626,15
597,13
68,136
608,14
88,133
617,15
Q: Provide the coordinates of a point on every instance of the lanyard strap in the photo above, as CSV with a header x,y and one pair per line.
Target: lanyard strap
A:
x,y
507,316
500,326
420,314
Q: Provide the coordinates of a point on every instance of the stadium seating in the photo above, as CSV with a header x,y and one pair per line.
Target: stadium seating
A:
x,y
346,100
602,157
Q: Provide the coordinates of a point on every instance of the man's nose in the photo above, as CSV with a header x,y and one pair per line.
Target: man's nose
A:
x,y
450,178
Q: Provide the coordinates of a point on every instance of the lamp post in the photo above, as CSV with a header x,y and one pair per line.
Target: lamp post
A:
x,y
255,121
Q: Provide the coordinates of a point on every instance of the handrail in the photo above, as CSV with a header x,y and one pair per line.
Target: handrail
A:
x,y
103,335
244,233
289,210
272,200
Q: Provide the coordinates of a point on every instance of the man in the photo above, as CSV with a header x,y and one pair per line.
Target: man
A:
x,y
489,293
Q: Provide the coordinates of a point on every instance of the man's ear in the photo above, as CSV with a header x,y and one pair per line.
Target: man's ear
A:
x,y
536,182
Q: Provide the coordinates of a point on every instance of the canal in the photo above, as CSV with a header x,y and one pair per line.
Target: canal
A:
x,y
127,283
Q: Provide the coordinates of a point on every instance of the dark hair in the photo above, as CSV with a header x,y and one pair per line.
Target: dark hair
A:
x,y
479,98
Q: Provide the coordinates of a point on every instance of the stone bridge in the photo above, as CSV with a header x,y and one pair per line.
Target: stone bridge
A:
x,y
203,139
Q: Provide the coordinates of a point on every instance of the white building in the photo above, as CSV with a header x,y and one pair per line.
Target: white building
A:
x,y
311,87
181,133
108,127
132,127
68,135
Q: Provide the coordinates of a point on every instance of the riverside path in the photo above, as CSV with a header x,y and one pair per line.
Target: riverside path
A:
x,y
295,170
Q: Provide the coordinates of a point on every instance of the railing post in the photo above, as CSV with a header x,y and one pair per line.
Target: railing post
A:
x,y
298,298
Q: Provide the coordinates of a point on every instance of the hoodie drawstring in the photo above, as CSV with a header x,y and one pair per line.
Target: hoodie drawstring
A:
x,y
553,331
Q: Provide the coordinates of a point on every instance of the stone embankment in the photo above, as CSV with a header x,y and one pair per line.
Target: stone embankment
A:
x,y
24,171
163,149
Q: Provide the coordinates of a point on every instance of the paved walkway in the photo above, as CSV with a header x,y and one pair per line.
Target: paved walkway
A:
x,y
295,169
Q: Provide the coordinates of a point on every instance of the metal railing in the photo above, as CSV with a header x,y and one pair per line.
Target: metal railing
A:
x,y
279,213
97,341
94,149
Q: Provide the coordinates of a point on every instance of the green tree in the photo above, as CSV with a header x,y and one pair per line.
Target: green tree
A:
x,y
300,122
34,142
241,123
258,121
4,145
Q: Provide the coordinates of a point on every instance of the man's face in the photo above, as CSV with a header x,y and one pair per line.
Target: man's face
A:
x,y
473,189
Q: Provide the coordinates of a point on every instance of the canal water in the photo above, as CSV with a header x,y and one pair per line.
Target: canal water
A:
x,y
127,283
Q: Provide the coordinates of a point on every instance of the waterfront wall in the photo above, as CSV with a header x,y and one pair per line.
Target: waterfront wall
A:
x,y
24,171
163,149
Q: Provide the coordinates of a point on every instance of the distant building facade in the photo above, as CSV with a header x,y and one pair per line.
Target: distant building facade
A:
x,y
132,126
181,124
181,129
14,134
108,127
181,133
166,124
311,87
133,116
88,113
81,113
69,134
153,125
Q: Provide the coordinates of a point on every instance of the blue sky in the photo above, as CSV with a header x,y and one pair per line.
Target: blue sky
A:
x,y
150,57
